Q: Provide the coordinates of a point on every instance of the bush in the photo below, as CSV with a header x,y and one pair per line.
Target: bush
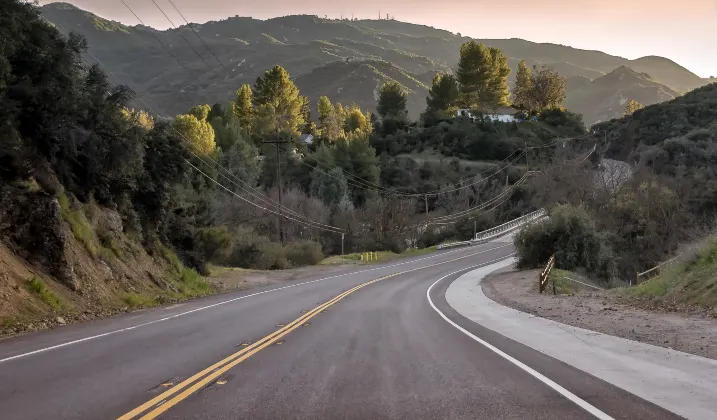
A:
x,y
304,253
571,235
38,287
272,257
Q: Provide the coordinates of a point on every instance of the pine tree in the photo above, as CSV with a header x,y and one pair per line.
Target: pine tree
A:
x,y
306,114
243,107
482,76
275,90
392,101
443,94
523,86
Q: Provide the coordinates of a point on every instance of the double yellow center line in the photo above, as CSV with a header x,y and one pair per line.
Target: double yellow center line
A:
x,y
187,387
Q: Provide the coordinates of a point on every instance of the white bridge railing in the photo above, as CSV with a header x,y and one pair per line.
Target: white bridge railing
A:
x,y
498,231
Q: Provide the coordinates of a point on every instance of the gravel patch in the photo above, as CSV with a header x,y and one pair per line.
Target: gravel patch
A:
x,y
600,311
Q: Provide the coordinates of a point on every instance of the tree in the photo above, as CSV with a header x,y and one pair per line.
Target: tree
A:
x,y
199,134
276,91
242,160
498,93
548,89
330,187
482,76
306,114
325,109
356,121
443,94
631,106
140,118
392,101
200,111
243,107
523,86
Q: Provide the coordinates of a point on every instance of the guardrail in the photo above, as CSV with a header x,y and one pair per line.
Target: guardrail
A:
x,y
545,275
498,231
654,271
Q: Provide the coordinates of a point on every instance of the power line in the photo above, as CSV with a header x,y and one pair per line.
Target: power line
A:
x,y
180,34
254,204
268,201
196,33
154,35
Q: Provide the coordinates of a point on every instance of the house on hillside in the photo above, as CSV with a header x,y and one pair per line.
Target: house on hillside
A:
x,y
502,114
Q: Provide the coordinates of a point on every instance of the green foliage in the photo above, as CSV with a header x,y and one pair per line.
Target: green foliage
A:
x,y
443,95
201,112
328,185
570,234
548,89
214,243
304,253
356,121
482,76
281,102
38,287
523,86
243,107
198,133
80,226
392,101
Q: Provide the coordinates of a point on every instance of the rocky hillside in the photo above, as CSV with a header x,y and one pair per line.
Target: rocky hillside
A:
x,y
605,97
311,48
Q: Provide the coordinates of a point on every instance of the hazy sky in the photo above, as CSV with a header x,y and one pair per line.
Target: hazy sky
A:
x,y
684,31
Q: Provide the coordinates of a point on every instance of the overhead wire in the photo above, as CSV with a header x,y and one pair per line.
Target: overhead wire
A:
x,y
154,35
196,33
249,189
180,34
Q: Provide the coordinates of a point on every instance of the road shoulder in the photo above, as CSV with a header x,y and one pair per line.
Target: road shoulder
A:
x,y
680,382
603,312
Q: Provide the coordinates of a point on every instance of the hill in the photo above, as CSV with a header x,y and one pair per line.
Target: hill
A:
x,y
304,45
605,97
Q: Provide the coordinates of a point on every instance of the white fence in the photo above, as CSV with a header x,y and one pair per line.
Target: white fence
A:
x,y
498,231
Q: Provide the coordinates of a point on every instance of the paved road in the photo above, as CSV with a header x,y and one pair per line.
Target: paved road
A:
x,y
367,343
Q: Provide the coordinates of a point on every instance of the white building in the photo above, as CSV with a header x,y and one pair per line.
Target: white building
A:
x,y
502,114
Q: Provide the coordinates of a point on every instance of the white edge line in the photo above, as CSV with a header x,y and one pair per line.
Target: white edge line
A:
x,y
542,378
94,337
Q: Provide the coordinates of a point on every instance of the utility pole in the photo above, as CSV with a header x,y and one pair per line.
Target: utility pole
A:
x,y
278,178
342,244
474,229
425,197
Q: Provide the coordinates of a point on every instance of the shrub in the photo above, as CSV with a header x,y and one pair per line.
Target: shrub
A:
x,y
81,228
571,235
38,287
272,257
304,253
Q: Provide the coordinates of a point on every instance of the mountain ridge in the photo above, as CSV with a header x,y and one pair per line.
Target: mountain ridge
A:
x,y
304,43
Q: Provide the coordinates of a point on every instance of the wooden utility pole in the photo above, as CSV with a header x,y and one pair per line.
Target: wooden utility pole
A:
x,y
276,143
425,197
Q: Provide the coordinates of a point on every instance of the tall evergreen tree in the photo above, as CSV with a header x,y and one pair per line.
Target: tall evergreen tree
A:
x,y
523,86
392,101
275,90
306,114
243,107
443,94
482,76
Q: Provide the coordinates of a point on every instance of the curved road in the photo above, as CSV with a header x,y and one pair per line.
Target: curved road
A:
x,y
367,343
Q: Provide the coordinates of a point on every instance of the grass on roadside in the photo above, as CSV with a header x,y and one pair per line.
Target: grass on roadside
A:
x,y
562,285
382,256
37,286
692,283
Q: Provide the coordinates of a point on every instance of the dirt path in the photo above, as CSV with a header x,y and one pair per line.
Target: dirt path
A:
x,y
600,311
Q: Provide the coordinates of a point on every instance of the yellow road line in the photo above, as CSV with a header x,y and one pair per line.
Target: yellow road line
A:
x,y
161,402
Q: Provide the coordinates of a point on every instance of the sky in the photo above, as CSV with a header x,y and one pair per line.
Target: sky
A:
x,y
684,31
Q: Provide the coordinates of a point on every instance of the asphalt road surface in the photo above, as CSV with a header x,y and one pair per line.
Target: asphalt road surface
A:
x,y
367,343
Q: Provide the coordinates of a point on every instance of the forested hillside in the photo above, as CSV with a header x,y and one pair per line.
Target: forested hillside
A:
x,y
106,205
204,63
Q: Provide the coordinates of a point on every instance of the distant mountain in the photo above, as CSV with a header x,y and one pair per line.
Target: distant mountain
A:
x,y
605,97
325,56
